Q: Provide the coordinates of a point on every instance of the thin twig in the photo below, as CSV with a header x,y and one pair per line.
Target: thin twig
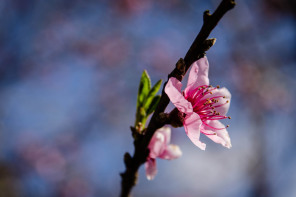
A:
x,y
197,50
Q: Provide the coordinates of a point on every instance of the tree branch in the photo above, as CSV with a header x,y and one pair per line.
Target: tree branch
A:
x,y
197,50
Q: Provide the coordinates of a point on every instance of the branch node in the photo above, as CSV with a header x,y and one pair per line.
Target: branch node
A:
x,y
180,65
179,70
127,159
136,133
206,15
207,44
176,118
164,118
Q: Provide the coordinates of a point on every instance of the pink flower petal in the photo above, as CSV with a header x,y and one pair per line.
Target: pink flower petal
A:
x,y
171,152
166,132
192,125
151,169
223,103
173,90
222,136
157,145
198,74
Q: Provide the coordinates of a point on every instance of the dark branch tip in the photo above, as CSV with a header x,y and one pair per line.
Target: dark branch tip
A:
x,y
206,15
229,3
232,3
211,41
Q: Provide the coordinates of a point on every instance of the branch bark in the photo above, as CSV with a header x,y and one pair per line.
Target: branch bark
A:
x,y
196,51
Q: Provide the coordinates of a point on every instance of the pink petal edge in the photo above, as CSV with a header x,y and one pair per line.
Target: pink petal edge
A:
x,y
156,145
198,74
171,152
151,169
173,90
222,136
192,125
166,132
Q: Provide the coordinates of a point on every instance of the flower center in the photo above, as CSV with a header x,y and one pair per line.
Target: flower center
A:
x,y
206,104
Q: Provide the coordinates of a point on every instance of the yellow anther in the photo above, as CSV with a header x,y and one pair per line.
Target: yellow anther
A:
x,y
227,126
227,101
229,117
224,96
218,86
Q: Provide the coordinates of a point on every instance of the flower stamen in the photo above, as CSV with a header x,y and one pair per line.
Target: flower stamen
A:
x,y
204,107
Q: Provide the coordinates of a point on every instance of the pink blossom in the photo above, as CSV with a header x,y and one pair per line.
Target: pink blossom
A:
x,y
202,104
159,147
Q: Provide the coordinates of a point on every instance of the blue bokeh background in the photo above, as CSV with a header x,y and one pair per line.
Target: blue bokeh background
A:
x,y
69,74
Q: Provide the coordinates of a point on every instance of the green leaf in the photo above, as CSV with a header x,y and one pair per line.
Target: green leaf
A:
x,y
142,112
144,88
141,116
153,105
152,94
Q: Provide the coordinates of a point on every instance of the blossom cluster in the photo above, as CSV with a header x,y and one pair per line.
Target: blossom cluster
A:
x,y
202,106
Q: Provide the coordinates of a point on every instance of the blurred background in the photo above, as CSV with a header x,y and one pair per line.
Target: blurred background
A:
x,y
69,74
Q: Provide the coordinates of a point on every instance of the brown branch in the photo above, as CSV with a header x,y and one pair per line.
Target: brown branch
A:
x,y
197,50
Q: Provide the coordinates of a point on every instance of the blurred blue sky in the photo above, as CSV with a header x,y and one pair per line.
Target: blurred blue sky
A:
x,y
69,74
